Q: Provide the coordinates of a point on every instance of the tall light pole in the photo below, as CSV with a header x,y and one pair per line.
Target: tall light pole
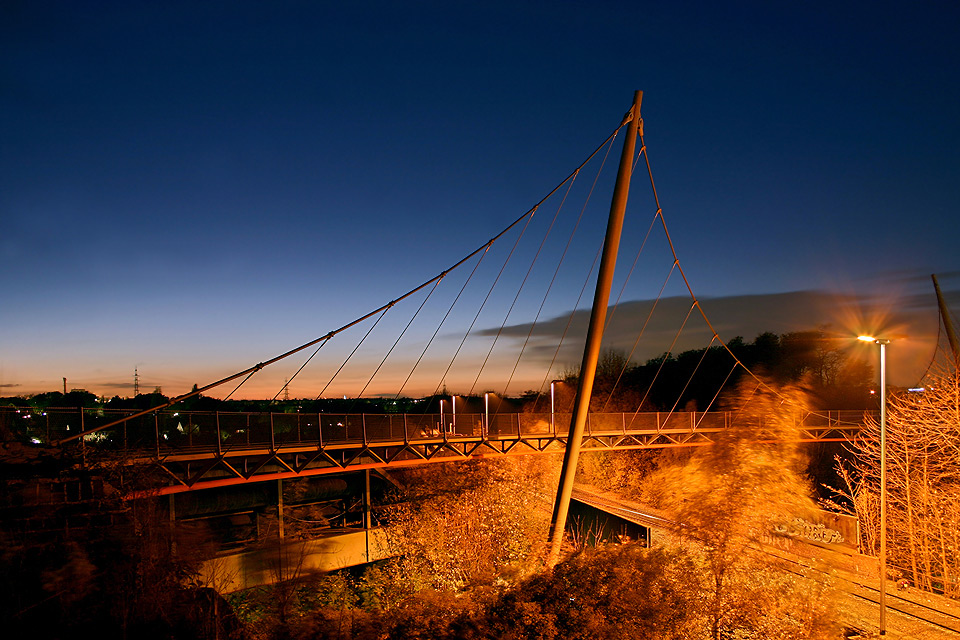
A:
x,y
486,411
443,427
883,477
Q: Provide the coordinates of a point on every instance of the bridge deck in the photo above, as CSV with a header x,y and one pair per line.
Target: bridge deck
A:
x,y
205,449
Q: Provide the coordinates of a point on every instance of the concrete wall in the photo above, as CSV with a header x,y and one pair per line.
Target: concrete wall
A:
x,y
288,560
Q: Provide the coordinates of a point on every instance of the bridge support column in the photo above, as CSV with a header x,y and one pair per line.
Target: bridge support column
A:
x,y
367,519
279,509
173,523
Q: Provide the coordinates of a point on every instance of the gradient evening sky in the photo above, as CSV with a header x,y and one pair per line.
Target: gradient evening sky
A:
x,y
190,188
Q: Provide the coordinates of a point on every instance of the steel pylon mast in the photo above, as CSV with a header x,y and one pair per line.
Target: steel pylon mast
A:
x,y
591,350
947,321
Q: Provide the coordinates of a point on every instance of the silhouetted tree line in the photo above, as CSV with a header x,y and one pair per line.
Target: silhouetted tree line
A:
x,y
143,401
694,380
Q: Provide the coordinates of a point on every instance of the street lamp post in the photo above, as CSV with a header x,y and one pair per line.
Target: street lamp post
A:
x,y
883,477
486,411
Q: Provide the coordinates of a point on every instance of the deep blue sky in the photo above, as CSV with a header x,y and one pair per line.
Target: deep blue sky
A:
x,y
190,188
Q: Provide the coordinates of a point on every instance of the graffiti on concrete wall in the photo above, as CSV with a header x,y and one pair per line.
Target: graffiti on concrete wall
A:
x,y
816,532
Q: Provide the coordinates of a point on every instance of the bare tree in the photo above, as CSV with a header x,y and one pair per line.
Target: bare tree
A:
x,y
923,482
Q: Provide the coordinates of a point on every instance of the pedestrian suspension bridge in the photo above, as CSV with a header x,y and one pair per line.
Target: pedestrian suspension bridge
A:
x,y
507,318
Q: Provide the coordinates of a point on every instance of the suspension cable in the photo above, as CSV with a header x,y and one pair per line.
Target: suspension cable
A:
x,y
717,394
355,348
441,323
643,329
397,341
482,305
257,367
573,312
693,373
306,362
523,282
663,361
553,279
686,282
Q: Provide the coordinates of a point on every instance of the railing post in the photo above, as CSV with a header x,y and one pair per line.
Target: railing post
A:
x,y
216,416
363,427
406,436
273,440
156,430
623,423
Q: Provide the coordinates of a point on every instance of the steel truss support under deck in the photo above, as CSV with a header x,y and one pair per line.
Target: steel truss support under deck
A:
x,y
207,469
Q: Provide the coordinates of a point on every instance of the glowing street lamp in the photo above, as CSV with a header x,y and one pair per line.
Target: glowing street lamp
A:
x,y
883,477
443,427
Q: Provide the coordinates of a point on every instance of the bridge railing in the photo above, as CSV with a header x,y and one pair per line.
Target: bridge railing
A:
x,y
165,432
